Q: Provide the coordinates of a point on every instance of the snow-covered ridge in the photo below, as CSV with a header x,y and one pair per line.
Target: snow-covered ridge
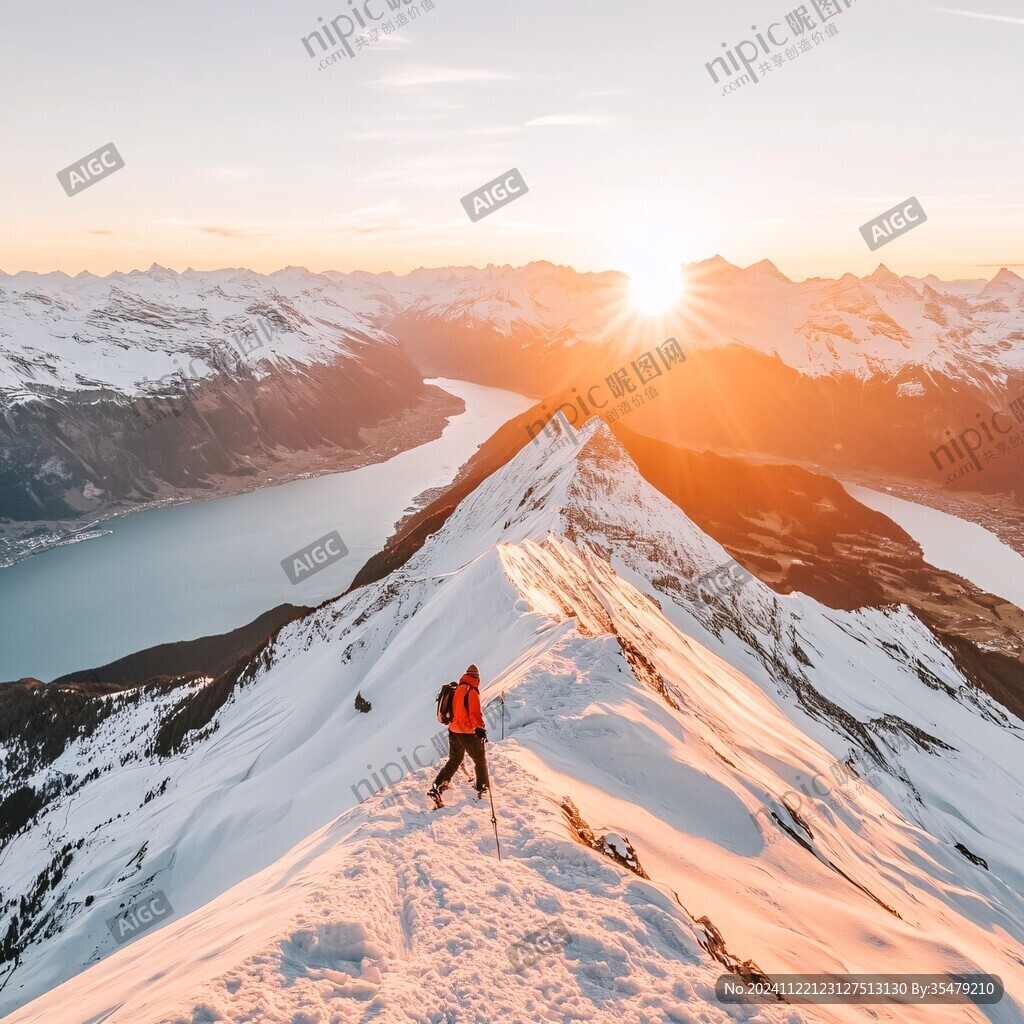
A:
x,y
125,331
702,733
145,333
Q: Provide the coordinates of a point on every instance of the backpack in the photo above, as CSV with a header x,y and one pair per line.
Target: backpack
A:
x,y
446,703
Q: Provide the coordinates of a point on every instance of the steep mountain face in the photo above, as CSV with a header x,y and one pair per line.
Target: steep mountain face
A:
x,y
189,659
797,531
920,378
120,391
908,426
869,327
142,333
687,784
800,532
525,328
882,374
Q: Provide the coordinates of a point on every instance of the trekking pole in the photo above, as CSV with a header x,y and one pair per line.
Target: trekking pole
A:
x,y
494,819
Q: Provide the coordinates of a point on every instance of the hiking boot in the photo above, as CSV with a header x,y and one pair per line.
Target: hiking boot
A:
x,y
481,792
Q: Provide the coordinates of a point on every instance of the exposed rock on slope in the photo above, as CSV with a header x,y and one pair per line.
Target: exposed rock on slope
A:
x,y
814,775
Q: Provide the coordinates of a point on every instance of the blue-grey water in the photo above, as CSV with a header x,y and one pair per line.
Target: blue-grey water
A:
x,y
193,570
954,544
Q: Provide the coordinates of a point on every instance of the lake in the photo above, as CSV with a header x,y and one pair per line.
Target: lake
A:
x,y
207,567
954,544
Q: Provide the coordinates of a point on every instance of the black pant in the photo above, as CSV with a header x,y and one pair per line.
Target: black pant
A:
x,y
459,745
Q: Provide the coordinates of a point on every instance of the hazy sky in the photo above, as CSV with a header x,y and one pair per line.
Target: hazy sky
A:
x,y
240,151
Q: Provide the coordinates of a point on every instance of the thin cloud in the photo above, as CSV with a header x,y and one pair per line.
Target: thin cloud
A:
x,y
506,130
568,120
381,219
421,178
930,196
394,136
439,76
394,41
222,232
405,136
207,229
229,172
978,14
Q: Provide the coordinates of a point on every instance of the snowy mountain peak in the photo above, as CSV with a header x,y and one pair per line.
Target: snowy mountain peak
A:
x,y
112,331
1007,276
715,265
891,285
769,269
1005,283
884,277
124,332
732,780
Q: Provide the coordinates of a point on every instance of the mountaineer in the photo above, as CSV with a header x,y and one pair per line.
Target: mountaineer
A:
x,y
458,707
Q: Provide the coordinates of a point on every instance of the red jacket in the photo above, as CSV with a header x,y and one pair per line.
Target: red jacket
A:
x,y
466,707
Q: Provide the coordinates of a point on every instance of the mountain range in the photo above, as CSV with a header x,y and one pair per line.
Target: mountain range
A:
x,y
126,390
812,768
767,781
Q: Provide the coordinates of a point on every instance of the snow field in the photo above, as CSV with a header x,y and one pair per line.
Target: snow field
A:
x,y
666,724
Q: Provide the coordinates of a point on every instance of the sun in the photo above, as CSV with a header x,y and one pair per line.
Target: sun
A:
x,y
651,249
655,287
